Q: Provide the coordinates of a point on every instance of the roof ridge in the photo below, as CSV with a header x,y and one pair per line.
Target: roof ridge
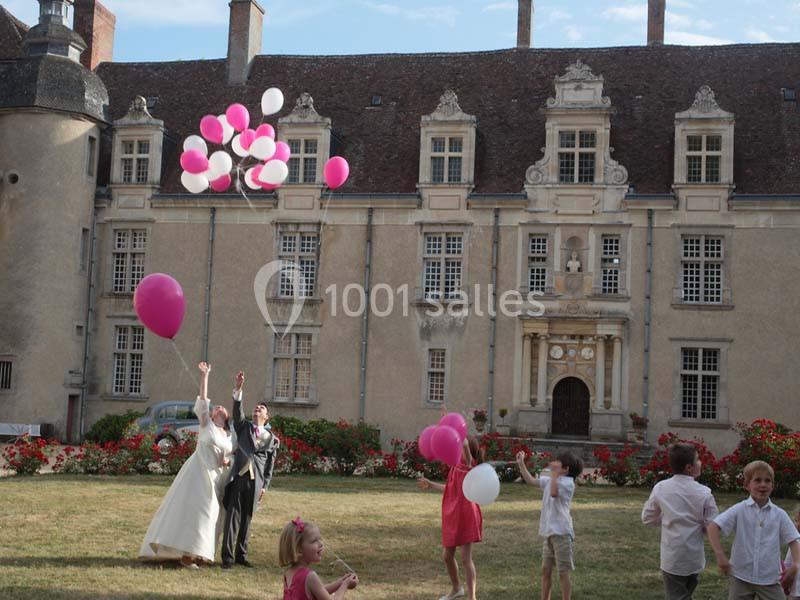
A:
x,y
19,27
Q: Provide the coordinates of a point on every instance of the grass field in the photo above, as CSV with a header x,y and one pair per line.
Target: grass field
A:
x,y
77,538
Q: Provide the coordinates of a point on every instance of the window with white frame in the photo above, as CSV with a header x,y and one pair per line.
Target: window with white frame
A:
x,y
437,367
5,374
703,158
303,162
447,158
610,263
702,259
537,263
130,246
700,370
577,156
442,265
292,367
297,252
135,161
128,359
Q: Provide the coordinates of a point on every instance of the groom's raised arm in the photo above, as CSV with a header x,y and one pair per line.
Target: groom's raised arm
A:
x,y
238,412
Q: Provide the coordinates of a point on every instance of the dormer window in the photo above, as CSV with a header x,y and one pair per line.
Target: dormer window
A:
x,y
303,163
703,156
447,156
576,156
135,161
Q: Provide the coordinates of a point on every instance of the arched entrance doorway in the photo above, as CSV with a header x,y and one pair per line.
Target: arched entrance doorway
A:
x,y
571,408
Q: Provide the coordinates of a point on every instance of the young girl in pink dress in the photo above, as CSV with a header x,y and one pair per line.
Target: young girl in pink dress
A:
x,y
462,522
299,547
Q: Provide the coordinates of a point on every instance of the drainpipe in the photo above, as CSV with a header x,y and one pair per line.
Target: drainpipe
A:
x,y
493,317
87,327
362,393
207,313
648,292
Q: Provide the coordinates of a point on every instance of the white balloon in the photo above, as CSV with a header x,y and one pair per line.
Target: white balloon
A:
x,y
194,183
248,179
227,129
219,164
195,142
271,101
481,485
236,146
263,148
274,172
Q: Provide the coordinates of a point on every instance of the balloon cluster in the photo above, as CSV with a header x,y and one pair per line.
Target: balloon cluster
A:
x,y
264,161
444,442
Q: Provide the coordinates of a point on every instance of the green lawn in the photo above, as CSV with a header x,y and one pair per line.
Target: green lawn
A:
x,y
77,538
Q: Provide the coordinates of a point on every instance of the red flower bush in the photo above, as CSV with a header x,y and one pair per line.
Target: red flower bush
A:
x,y
26,455
620,467
714,473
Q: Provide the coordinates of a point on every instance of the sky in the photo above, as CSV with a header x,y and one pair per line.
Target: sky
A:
x,y
164,30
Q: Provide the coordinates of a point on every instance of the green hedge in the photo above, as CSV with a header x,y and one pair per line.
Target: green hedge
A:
x,y
111,428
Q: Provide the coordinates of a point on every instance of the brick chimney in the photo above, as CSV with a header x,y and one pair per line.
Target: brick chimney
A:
x,y
244,38
524,23
655,22
96,25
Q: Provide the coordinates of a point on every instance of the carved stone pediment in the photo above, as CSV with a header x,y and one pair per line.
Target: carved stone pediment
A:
x,y
304,111
448,110
704,107
138,115
579,87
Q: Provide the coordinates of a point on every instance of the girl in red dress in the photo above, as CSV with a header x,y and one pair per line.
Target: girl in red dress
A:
x,y
299,547
462,522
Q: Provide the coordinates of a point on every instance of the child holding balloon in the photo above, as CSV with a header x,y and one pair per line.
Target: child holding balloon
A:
x,y
555,522
462,522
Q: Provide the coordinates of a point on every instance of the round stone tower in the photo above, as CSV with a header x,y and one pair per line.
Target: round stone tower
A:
x,y
52,113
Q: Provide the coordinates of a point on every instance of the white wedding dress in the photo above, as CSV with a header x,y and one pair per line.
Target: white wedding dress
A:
x,y
185,523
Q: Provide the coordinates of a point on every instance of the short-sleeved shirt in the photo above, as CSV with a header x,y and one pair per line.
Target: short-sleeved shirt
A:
x,y
556,518
683,508
760,533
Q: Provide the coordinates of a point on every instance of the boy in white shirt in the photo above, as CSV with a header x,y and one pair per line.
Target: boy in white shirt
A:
x,y
555,523
761,528
683,508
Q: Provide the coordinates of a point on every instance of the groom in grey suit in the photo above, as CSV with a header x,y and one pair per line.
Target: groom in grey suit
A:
x,y
253,462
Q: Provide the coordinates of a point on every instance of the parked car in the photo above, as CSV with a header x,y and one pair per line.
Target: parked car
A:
x,y
170,421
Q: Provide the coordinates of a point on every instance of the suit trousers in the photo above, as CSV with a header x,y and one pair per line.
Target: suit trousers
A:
x,y
239,506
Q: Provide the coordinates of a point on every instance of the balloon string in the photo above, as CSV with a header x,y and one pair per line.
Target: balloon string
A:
x,y
185,366
339,560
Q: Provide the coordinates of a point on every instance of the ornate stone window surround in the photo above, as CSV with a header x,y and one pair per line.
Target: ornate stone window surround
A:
x,y
313,396
723,417
138,125
596,235
526,231
305,123
425,369
447,121
725,233
459,228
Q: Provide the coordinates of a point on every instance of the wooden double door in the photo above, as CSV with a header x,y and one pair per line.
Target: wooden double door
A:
x,y
571,408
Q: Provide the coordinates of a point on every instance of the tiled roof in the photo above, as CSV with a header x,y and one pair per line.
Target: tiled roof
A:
x,y
12,30
506,91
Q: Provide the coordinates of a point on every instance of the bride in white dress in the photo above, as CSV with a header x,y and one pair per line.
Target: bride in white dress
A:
x,y
184,527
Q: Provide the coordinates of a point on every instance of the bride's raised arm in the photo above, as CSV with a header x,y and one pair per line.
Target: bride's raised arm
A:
x,y
201,405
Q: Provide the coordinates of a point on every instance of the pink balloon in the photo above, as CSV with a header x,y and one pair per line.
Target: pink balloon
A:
x,y
425,442
282,152
194,161
265,129
238,117
211,129
446,446
269,186
160,305
336,172
247,137
221,184
457,422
